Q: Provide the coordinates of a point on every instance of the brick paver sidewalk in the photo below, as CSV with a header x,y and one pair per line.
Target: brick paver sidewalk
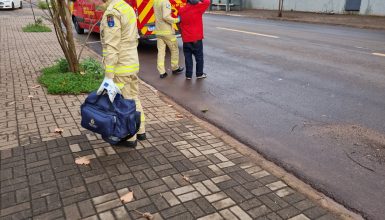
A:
x,y
181,172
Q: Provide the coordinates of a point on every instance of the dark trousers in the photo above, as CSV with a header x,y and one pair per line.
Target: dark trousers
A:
x,y
196,49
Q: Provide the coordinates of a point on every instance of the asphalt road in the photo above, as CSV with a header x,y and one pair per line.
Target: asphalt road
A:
x,y
308,97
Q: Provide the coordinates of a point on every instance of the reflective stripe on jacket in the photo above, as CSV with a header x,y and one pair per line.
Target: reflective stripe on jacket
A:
x,y
163,18
119,37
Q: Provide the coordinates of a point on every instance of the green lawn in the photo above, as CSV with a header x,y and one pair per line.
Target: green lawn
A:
x,y
36,28
58,80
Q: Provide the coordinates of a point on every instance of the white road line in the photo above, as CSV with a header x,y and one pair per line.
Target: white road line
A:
x,y
379,54
246,32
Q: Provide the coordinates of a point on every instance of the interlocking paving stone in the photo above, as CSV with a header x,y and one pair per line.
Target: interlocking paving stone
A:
x,y
259,211
173,211
288,212
214,216
182,190
315,212
181,171
327,217
240,213
189,196
304,204
224,203
299,217
284,192
171,198
228,214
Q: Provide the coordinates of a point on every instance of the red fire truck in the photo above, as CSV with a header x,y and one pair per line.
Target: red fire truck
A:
x,y
85,13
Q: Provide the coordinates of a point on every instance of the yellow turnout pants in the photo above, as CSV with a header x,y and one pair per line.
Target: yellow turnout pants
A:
x,y
171,42
129,85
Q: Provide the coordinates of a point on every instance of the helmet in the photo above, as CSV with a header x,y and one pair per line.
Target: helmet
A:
x,y
193,2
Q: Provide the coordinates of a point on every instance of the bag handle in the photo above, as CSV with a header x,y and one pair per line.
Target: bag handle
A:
x,y
112,104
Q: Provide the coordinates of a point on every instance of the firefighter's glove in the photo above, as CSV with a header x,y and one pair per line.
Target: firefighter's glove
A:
x,y
110,87
178,19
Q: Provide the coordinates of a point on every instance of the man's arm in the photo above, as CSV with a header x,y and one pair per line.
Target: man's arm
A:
x,y
166,10
203,5
112,38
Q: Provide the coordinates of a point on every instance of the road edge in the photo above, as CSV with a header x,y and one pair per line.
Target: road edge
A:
x,y
294,20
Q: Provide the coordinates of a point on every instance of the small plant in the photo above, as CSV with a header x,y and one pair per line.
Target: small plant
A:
x,y
91,66
36,28
39,21
42,5
59,80
62,64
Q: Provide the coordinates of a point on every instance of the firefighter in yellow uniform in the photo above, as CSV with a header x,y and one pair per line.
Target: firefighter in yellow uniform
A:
x,y
166,37
119,37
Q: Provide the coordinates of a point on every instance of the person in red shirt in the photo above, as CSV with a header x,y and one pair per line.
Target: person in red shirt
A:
x,y
191,25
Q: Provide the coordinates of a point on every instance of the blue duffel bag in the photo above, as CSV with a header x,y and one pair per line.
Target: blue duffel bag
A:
x,y
115,121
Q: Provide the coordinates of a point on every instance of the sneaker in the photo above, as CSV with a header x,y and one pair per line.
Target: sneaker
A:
x,y
188,78
164,75
177,71
130,144
204,75
141,137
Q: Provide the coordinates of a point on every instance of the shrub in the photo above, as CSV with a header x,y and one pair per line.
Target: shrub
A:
x,y
39,21
91,66
58,80
42,5
62,65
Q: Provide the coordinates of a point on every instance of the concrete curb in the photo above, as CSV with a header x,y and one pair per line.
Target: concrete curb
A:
x,y
294,20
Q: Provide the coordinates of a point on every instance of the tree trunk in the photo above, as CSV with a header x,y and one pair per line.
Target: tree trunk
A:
x,y
33,12
62,22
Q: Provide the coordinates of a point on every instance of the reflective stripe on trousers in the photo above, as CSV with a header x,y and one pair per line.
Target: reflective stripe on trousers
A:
x,y
129,85
171,42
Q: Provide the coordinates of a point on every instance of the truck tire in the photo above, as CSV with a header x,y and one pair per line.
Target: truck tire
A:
x,y
78,29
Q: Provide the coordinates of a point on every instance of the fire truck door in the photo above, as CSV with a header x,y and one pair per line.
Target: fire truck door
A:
x,y
89,12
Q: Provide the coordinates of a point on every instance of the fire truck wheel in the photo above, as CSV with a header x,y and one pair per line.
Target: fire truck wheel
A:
x,y
78,29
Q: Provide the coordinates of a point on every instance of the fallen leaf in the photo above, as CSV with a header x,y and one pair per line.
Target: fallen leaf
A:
x,y
128,197
186,178
35,87
30,96
179,116
148,216
82,161
59,130
204,110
